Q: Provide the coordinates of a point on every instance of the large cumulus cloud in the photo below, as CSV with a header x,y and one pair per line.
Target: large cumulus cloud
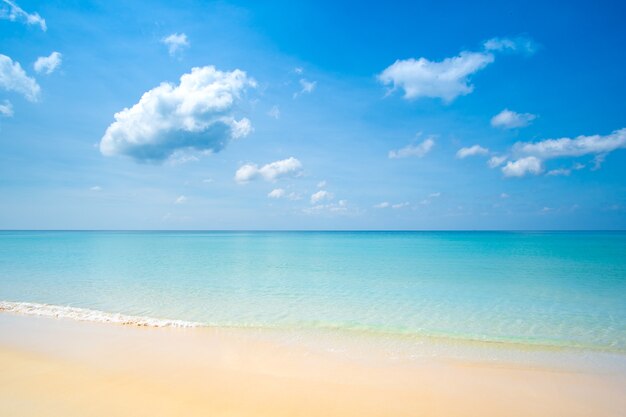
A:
x,y
195,115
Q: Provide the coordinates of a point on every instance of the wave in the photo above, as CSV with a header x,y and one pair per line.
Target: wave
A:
x,y
84,314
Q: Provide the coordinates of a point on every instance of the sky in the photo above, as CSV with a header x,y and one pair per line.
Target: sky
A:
x,y
316,115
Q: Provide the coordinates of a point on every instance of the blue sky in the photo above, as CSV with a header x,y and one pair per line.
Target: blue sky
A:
x,y
312,115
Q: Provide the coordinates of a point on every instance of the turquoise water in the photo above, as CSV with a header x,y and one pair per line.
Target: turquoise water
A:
x,y
561,289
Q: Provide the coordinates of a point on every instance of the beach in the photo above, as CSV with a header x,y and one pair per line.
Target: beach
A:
x,y
312,324
61,367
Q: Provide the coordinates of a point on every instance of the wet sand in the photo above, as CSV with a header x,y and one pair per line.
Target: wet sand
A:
x,y
51,367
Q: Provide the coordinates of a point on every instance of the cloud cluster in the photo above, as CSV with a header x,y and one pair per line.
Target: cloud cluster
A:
x,y
11,11
508,119
195,115
579,146
176,42
49,63
14,78
418,150
269,172
449,78
530,157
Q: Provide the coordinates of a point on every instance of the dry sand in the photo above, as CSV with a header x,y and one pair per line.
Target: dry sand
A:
x,y
52,367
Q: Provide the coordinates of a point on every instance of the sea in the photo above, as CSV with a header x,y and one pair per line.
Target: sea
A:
x,y
550,290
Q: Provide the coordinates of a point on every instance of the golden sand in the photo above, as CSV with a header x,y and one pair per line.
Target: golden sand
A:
x,y
54,367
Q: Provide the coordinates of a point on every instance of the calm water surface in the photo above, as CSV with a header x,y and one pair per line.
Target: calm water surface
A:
x,y
562,289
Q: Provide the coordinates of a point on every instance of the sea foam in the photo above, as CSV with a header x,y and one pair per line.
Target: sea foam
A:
x,y
84,314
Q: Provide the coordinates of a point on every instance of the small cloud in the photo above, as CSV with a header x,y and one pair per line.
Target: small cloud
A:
x,y
434,195
382,205
504,195
13,12
471,151
14,78
341,207
523,166
321,196
418,150
559,172
6,109
176,43
508,119
321,184
276,193
298,70
48,64
520,45
181,200
400,205
598,160
496,161
307,87
207,180
96,188
269,172
445,79
274,112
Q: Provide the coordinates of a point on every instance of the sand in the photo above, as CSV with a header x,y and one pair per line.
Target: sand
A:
x,y
52,367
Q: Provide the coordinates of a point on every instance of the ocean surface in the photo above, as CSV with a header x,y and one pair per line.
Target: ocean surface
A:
x,y
554,289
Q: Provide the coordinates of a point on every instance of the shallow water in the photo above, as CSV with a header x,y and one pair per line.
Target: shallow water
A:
x,y
556,289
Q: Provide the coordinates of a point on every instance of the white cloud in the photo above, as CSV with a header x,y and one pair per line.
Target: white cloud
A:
x,y
6,109
508,119
519,44
445,79
382,205
320,195
207,180
176,42
341,207
559,172
523,166
269,172
274,112
497,160
298,70
195,115
321,184
307,87
418,150
400,205
504,195
13,12
276,193
529,157
471,151
48,64
13,78
96,188
180,200
579,146
449,78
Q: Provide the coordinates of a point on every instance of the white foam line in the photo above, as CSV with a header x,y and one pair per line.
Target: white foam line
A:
x,y
84,314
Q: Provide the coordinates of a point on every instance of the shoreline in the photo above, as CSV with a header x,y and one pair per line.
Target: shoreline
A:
x,y
66,312
72,368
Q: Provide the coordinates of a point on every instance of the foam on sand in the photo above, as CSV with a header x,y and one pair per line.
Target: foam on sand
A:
x,y
84,314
